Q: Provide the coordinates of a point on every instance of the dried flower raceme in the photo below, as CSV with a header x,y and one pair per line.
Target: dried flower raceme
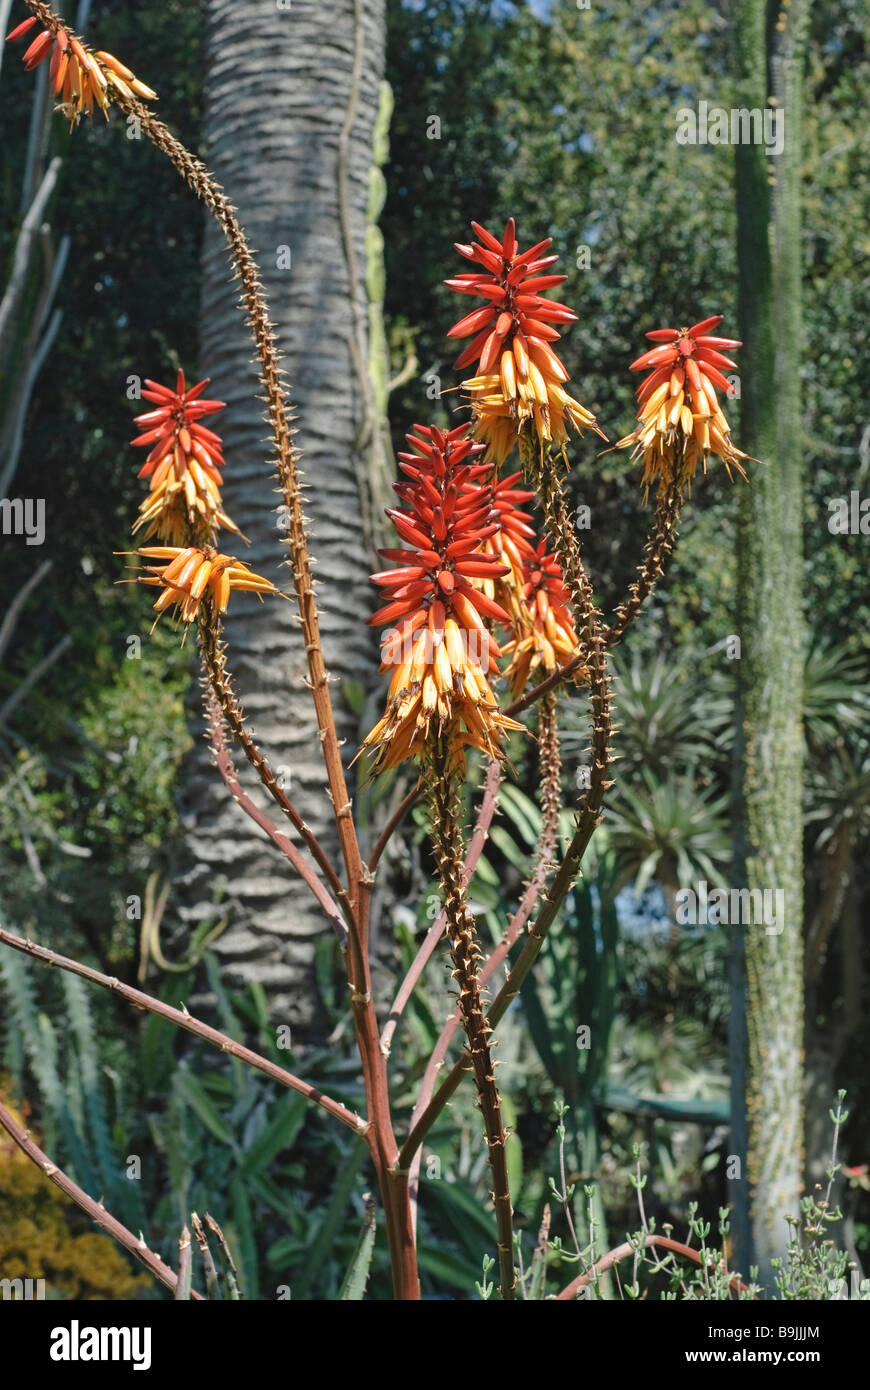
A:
x,y
545,640
681,421
79,77
519,385
183,463
187,574
439,647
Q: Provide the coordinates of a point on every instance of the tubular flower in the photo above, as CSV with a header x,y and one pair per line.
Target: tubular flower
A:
x,y
519,383
680,418
546,639
78,76
439,648
183,464
186,574
512,544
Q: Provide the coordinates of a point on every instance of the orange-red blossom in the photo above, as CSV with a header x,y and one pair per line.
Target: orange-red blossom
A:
x,y
183,463
545,637
520,381
78,76
186,574
681,421
439,647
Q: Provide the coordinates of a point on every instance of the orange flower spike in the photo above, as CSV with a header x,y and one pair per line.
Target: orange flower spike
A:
x,y
519,380
78,76
544,638
680,419
183,464
440,650
185,575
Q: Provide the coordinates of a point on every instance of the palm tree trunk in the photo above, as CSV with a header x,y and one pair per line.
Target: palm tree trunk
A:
x,y
770,64
293,93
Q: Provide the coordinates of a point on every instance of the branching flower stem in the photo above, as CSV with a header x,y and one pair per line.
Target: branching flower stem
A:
x,y
359,878
563,537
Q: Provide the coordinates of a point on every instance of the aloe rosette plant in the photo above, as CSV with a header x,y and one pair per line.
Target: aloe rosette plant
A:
x,y
488,611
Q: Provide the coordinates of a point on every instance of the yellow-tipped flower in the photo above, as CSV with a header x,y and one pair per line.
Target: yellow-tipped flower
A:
x,y
545,638
439,650
186,575
184,509
184,461
680,420
79,77
520,382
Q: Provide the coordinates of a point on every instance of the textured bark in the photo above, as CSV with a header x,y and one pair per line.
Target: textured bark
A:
x,y
770,63
292,101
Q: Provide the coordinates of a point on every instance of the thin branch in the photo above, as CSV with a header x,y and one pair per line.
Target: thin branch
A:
x,y
401,811
182,1019
220,683
95,1210
621,1252
300,862
35,674
13,609
656,551
487,810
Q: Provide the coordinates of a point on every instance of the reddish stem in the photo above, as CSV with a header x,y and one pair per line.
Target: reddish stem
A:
x,y
95,1210
487,810
182,1019
621,1252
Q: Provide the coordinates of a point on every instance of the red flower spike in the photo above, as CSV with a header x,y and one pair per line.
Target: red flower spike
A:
x,y
680,420
519,383
545,636
183,505
440,651
79,78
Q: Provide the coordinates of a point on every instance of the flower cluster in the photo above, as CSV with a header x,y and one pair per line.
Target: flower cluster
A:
x,y
183,509
439,648
186,574
681,421
545,637
519,384
183,463
78,76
